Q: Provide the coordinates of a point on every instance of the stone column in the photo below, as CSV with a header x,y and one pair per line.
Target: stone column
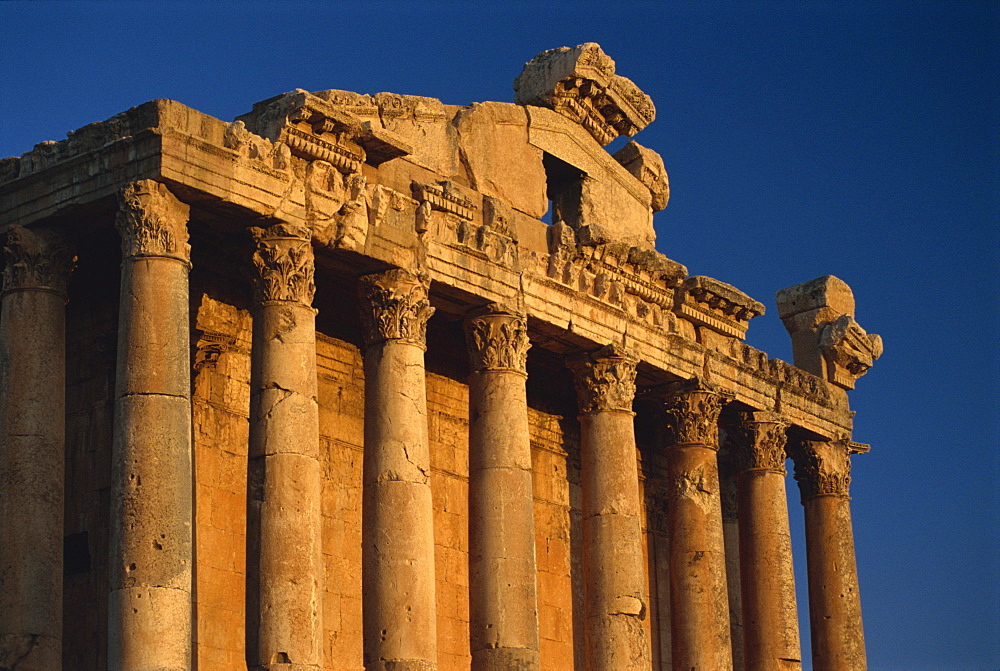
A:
x,y
503,600
400,628
285,477
731,536
770,619
614,584
32,448
699,603
150,609
823,471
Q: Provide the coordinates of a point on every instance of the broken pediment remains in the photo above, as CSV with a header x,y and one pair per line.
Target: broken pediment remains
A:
x,y
367,381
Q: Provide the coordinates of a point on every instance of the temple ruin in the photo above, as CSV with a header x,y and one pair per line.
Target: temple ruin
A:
x,y
372,382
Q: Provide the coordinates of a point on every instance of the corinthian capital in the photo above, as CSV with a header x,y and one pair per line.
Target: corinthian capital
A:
x,y
152,222
605,379
693,413
394,306
35,260
759,442
497,339
284,263
822,468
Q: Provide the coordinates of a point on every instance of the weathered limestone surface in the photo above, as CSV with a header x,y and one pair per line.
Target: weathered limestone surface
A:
x,y
615,595
32,447
285,475
398,536
150,612
823,471
496,520
503,598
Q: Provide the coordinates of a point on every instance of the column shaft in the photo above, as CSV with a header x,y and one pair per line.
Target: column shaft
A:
x,y
770,618
150,609
285,473
32,449
503,602
398,576
615,602
699,602
731,538
837,636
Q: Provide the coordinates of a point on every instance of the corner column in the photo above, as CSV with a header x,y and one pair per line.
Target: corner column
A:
x,y
32,448
770,619
399,610
823,471
150,609
614,583
503,599
699,602
285,477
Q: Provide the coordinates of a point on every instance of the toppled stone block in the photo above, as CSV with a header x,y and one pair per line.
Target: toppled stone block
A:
x,y
580,83
826,341
647,166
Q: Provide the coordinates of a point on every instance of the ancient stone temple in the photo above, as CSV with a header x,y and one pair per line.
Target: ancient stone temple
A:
x,y
323,387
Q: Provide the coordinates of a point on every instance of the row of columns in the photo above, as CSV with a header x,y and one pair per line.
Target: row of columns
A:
x,y
151,614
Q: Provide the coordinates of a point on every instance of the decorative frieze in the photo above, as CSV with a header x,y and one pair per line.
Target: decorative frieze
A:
x,y
693,410
36,260
605,379
284,263
394,306
759,442
152,222
445,197
716,305
822,468
497,339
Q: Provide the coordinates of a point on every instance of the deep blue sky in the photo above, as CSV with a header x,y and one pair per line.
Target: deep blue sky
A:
x,y
801,139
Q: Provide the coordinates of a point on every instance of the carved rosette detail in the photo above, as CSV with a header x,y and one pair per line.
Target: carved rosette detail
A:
x,y
694,417
285,264
35,260
823,468
394,306
605,380
760,443
152,222
498,340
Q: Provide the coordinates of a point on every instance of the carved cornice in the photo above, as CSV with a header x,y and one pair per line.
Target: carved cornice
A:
x,y
605,379
445,196
717,305
693,410
822,468
36,260
759,442
284,263
498,340
394,306
152,222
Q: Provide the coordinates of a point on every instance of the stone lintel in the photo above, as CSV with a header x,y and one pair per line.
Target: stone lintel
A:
x,y
580,83
716,305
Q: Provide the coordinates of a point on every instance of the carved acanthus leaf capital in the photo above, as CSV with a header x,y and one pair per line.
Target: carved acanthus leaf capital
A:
x,y
152,222
394,306
759,442
284,262
605,379
693,413
823,468
497,339
35,260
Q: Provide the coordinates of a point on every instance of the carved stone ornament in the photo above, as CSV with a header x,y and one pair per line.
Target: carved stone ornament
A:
x,y
394,306
36,260
284,263
848,350
823,468
498,340
693,413
152,222
759,442
605,380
